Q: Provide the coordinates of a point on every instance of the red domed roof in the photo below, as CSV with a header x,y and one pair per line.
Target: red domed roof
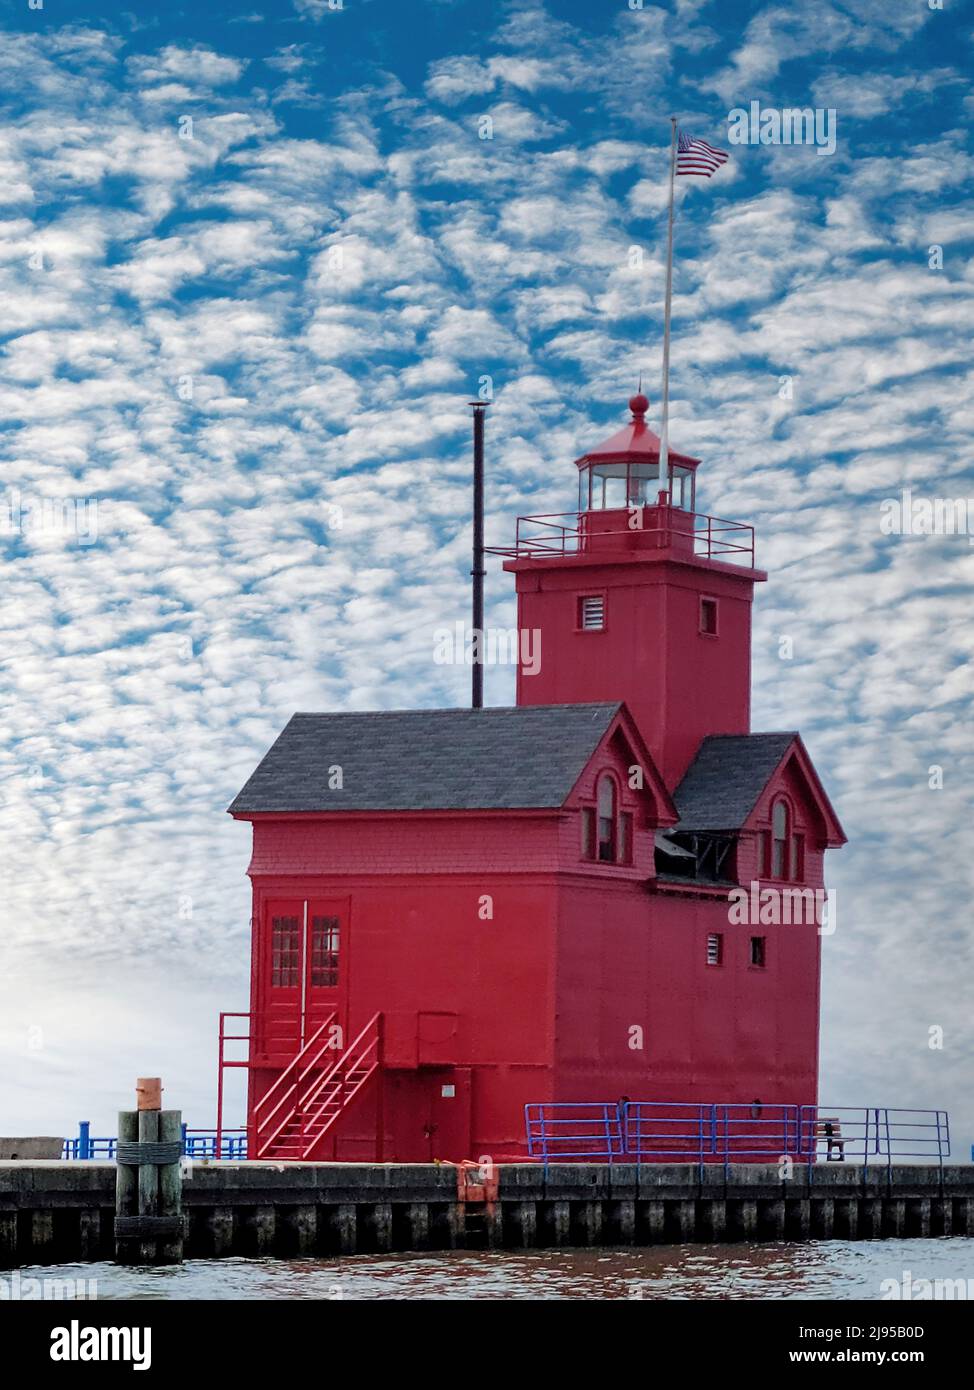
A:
x,y
635,441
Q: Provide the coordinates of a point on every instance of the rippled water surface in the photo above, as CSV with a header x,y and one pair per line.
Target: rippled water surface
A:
x,y
833,1269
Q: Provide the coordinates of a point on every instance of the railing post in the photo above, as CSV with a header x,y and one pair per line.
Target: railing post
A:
x,y
380,1110
803,1144
84,1139
219,1087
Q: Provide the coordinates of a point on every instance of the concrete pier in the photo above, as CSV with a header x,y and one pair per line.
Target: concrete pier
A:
x,y
55,1212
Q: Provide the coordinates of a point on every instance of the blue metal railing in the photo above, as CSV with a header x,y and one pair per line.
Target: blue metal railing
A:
x,y
875,1132
579,1130
728,1132
658,1131
202,1143
197,1143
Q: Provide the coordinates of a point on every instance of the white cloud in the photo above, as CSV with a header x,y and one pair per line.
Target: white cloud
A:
x,y
291,58
197,65
868,95
454,79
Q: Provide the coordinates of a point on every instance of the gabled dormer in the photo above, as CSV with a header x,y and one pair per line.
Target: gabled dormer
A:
x,y
618,805
751,807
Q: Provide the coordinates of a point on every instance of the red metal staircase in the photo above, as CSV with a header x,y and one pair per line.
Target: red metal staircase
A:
x,y
313,1092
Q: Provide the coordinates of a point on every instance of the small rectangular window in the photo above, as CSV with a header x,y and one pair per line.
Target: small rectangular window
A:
x,y
588,833
708,616
591,612
285,952
757,951
625,838
797,858
324,952
778,851
764,841
715,949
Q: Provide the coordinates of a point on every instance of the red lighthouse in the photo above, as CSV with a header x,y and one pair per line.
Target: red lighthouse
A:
x,y
460,912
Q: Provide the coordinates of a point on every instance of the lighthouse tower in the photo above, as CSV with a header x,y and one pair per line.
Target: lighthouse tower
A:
x,y
640,599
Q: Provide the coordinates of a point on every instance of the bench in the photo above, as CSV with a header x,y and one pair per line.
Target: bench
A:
x,y
829,1129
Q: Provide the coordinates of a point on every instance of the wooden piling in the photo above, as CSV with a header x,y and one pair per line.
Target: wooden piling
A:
x,y
126,1189
171,1187
148,1181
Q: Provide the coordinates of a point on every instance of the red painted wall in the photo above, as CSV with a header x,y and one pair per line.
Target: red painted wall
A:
x,y
457,991
679,684
631,960
632,954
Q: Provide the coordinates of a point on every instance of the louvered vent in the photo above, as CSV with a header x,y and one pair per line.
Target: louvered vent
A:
x,y
592,612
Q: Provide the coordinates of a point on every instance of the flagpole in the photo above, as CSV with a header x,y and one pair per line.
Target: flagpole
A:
x,y
664,454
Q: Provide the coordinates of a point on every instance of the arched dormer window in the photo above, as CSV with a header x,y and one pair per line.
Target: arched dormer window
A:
x,y
606,819
606,829
780,835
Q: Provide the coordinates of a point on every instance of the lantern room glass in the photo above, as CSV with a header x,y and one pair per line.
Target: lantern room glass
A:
x,y
681,488
614,486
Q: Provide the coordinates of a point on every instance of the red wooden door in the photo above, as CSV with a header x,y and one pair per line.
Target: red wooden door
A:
x,y
448,1116
304,968
326,966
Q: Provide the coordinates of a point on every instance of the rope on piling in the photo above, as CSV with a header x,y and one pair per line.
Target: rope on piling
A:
x,y
148,1152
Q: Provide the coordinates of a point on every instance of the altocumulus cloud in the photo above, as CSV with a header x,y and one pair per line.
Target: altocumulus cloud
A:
x,y
248,282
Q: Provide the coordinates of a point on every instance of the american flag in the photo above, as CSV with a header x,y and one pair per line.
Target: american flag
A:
x,y
697,157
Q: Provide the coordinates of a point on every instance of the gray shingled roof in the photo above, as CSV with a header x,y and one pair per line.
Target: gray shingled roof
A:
x,y
725,779
424,760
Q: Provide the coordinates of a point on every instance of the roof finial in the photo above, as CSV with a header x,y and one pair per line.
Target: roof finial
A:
x,y
638,403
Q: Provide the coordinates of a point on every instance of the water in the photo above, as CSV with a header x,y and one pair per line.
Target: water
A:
x,y
834,1269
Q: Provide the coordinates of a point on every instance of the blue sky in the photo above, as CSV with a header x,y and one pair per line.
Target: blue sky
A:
x,y
251,349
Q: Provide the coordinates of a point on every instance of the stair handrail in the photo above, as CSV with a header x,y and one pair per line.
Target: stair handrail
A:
x,y
289,1114
326,1046
334,1082
279,1083
350,1058
294,1061
347,1064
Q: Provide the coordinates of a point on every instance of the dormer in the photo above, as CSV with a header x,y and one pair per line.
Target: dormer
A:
x,y
751,807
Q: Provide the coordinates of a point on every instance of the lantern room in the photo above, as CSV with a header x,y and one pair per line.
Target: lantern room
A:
x,y
624,471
